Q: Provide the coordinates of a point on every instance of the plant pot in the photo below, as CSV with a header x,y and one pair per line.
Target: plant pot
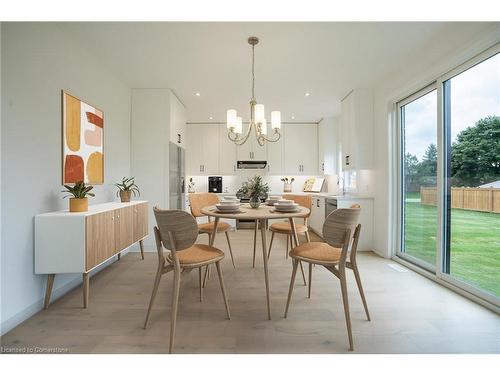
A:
x,y
78,204
125,195
254,202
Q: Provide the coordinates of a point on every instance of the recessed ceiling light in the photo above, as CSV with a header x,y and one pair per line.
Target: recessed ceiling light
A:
x,y
210,118
197,94
293,117
308,93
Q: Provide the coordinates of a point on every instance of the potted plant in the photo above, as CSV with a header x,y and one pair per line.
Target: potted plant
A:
x,y
79,192
126,188
191,185
256,190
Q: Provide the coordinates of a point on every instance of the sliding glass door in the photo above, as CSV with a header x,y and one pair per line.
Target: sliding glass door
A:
x,y
472,146
449,177
418,119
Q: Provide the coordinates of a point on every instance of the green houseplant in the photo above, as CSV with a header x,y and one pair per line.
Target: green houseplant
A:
x,y
254,189
126,188
79,192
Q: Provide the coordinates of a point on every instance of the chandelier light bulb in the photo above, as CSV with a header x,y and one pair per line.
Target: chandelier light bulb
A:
x,y
238,129
276,119
259,113
231,118
263,127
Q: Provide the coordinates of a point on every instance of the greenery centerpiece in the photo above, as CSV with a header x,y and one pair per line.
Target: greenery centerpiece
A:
x,y
126,188
78,192
254,189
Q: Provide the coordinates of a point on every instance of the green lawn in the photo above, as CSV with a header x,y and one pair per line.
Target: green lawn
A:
x,y
475,242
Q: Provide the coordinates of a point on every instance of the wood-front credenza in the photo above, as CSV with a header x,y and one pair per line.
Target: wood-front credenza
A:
x,y
79,242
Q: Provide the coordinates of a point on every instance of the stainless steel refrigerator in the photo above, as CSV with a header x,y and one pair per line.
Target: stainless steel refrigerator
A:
x,y
177,177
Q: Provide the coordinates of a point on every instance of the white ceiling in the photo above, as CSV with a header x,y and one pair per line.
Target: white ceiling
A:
x,y
325,59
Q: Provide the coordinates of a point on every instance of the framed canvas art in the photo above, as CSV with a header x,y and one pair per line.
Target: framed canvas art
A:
x,y
83,141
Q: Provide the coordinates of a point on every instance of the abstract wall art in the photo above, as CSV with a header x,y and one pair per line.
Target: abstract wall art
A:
x,y
83,141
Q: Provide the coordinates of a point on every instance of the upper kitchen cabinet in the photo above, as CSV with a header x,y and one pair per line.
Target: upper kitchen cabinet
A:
x,y
227,153
202,143
301,150
356,130
327,145
177,121
251,150
275,156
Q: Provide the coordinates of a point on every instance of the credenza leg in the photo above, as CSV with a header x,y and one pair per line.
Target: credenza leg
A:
x,y
119,255
85,290
141,245
48,291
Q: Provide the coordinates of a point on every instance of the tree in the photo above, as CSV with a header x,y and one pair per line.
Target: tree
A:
x,y
427,168
475,155
411,171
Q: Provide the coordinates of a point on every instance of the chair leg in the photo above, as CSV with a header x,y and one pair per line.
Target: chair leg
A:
x,y
270,245
153,296
303,274
310,280
222,287
360,287
200,281
175,303
205,276
230,250
343,286
254,242
292,282
308,237
288,241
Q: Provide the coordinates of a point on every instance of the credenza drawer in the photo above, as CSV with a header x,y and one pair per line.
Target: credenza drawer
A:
x,y
99,238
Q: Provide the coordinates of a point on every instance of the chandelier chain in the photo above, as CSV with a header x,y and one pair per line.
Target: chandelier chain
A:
x,y
253,72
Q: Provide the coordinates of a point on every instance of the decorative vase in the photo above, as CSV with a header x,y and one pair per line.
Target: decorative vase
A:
x,y
78,204
254,202
287,187
125,195
191,189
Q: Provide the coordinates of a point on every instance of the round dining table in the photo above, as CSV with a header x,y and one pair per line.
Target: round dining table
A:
x,y
260,215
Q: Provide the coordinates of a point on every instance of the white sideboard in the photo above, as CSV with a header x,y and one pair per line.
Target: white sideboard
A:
x,y
78,242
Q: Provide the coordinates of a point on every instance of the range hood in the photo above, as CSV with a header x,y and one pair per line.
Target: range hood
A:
x,y
251,164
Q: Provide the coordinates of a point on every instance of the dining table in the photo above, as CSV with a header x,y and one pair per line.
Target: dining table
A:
x,y
260,216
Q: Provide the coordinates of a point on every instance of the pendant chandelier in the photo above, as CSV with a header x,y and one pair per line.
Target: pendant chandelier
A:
x,y
257,116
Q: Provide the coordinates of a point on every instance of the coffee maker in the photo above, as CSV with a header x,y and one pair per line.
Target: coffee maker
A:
x,y
214,184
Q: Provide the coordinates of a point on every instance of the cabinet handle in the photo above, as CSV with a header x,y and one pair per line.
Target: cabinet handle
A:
x,y
317,203
112,218
118,217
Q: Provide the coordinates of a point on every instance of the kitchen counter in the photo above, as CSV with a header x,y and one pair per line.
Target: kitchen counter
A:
x,y
345,197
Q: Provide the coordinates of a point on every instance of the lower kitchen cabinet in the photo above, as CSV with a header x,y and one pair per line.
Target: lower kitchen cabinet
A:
x,y
78,242
317,217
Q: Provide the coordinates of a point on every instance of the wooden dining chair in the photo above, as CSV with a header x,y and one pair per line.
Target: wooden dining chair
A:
x,y
177,231
286,229
333,255
199,200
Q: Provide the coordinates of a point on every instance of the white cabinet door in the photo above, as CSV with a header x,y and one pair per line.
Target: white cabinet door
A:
x,y
177,122
275,157
259,152
327,145
227,153
209,134
301,150
244,152
317,217
194,151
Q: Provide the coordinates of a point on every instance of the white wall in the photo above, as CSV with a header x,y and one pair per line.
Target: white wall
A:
x,y
441,55
38,60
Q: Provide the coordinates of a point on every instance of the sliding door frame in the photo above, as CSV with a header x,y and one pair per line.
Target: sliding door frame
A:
x,y
400,178
440,272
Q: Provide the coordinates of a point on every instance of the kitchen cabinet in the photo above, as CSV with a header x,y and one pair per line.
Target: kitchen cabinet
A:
x,y
275,157
227,153
356,130
301,150
251,150
177,121
327,145
79,242
202,156
317,218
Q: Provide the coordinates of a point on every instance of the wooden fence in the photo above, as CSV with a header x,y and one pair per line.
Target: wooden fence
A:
x,y
475,199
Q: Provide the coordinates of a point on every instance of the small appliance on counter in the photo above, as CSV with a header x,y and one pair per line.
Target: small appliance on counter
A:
x,y
214,184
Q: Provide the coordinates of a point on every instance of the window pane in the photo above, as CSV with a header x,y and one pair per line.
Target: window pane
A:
x,y
474,175
419,130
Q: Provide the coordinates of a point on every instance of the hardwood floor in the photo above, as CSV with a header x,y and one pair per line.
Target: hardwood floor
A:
x,y
410,314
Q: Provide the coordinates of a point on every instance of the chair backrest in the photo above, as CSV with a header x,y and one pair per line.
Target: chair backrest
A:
x,y
355,205
338,223
354,246
177,230
199,200
302,200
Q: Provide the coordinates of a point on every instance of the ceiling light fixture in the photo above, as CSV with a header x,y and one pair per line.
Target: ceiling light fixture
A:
x,y
308,94
197,94
293,117
257,115
210,118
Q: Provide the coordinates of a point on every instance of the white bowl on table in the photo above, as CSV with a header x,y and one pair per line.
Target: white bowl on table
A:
x,y
230,198
228,207
286,207
229,203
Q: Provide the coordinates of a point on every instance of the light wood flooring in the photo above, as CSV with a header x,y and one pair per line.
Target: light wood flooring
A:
x,y
410,314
